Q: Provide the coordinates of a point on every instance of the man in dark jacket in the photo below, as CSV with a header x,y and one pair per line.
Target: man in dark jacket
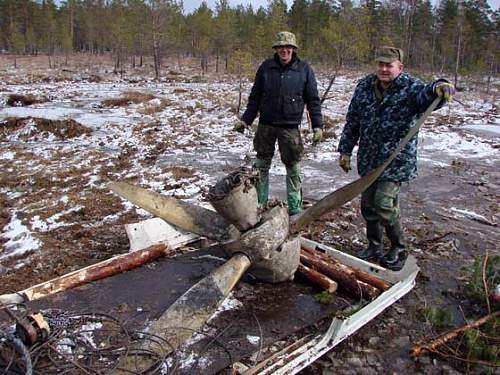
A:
x,y
384,107
283,86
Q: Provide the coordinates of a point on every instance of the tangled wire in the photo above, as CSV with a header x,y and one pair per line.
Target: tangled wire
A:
x,y
86,344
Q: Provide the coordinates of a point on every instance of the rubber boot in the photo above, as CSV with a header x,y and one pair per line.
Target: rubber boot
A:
x,y
294,189
374,234
396,256
263,167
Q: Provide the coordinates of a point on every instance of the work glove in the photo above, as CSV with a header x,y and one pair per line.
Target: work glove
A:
x,y
239,126
317,136
345,162
445,90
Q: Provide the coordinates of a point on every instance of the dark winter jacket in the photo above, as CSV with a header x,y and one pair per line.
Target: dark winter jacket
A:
x,y
280,92
378,123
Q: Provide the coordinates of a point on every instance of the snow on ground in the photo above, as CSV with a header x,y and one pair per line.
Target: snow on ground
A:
x,y
178,144
19,239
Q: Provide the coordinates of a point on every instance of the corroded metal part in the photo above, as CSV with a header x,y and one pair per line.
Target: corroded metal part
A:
x,y
234,197
282,264
260,242
187,314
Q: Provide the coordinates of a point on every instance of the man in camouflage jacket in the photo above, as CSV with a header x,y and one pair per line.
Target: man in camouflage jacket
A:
x,y
283,86
384,107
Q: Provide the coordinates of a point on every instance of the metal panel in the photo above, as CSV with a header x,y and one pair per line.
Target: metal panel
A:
x,y
294,361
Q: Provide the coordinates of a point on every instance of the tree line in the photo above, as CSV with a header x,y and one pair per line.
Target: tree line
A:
x,y
460,36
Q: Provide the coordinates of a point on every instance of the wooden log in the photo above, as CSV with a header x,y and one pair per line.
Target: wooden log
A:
x,y
344,277
88,274
360,275
317,279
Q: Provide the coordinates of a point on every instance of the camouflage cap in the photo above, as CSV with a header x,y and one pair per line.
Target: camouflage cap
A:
x,y
285,38
389,54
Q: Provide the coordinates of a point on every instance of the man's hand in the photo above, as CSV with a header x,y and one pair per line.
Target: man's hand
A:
x,y
317,136
445,90
345,162
239,126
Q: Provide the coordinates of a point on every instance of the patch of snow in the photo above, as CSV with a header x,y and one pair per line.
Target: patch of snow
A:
x,y
208,256
495,129
8,155
65,346
19,238
188,361
87,332
230,303
51,222
453,144
470,215
47,113
254,340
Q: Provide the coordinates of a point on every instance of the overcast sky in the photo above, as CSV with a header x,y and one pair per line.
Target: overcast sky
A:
x,y
190,5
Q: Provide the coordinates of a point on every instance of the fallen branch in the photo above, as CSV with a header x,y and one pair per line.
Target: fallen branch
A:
x,y
330,84
317,279
418,350
485,283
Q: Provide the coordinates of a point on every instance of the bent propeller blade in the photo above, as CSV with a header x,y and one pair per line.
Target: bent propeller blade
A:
x,y
186,216
186,315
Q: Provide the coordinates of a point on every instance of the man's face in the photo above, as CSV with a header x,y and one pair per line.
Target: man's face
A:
x,y
285,53
388,72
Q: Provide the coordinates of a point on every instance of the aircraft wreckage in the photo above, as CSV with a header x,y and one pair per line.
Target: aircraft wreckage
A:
x,y
167,313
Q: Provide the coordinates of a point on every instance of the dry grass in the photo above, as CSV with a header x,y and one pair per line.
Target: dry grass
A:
x,y
63,129
129,97
15,100
180,172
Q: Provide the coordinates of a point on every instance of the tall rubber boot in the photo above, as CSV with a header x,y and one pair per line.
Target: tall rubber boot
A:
x,y
396,256
263,167
374,234
294,189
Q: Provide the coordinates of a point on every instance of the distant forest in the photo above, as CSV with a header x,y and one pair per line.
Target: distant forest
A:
x,y
454,36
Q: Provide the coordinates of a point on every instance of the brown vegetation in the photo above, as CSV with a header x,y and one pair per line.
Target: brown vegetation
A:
x,y
16,100
63,129
127,98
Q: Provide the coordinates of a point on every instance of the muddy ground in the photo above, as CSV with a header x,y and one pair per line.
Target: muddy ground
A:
x,y
84,130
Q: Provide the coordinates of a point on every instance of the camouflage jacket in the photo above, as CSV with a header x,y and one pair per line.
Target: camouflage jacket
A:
x,y
379,121
279,94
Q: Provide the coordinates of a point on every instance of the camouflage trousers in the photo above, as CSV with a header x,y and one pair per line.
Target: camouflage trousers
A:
x,y
291,150
380,202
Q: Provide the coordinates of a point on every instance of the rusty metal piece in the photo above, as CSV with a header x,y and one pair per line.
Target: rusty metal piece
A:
x,y
32,329
282,264
260,242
